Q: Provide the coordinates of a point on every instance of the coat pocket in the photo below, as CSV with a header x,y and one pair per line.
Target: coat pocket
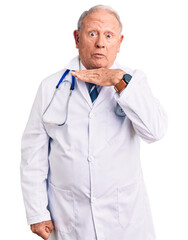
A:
x,y
130,204
61,206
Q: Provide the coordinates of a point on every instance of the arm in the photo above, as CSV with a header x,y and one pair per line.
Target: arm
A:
x,y
34,166
145,112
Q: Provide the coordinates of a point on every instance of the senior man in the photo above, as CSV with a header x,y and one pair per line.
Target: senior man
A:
x,y
83,178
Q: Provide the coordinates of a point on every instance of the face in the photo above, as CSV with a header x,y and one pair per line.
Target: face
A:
x,y
99,39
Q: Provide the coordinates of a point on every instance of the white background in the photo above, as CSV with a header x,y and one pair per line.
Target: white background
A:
x,y
37,40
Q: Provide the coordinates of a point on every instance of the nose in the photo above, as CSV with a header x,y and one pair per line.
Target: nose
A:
x,y
100,42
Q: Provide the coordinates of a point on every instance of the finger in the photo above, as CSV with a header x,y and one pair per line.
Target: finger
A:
x,y
42,233
50,228
47,229
83,72
87,76
77,75
76,72
73,73
42,230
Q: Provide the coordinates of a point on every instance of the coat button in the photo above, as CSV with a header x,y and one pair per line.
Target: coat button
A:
x,y
90,158
91,115
93,200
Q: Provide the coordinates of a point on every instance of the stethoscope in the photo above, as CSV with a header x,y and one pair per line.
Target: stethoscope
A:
x,y
118,110
57,88
63,77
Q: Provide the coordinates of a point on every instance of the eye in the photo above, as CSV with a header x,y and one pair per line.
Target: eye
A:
x,y
108,35
92,34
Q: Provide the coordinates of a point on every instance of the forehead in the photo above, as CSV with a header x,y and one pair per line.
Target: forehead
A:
x,y
101,18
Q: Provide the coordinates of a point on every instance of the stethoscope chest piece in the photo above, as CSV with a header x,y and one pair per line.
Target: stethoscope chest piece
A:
x,y
119,111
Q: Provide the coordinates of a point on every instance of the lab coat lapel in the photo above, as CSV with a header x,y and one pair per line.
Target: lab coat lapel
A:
x,y
104,94
74,65
84,91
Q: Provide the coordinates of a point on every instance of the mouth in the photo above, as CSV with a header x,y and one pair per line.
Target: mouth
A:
x,y
99,55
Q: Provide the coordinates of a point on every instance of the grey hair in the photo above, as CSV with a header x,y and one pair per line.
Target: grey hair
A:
x,y
95,8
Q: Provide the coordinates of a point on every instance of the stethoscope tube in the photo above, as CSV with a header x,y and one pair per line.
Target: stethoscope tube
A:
x,y
63,77
57,86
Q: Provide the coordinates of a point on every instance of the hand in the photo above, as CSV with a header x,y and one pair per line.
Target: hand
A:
x,y
43,229
100,76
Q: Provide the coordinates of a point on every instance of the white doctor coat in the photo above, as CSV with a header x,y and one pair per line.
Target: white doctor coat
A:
x,y
86,175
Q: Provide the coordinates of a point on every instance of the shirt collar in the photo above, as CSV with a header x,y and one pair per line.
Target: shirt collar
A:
x,y
81,65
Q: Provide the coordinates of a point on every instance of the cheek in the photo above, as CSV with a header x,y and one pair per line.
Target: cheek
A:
x,y
113,49
86,46
87,42
84,51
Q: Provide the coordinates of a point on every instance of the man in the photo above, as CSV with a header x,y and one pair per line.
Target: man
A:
x,y
84,177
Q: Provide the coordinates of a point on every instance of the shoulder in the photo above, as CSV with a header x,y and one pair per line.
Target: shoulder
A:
x,y
53,79
48,86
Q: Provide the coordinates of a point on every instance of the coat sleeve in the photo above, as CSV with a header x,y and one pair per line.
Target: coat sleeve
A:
x,y
145,112
34,165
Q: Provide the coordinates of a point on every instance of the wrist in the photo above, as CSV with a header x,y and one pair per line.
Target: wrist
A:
x,y
121,85
119,75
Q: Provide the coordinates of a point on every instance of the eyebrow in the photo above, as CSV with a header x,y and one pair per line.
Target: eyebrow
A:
x,y
106,30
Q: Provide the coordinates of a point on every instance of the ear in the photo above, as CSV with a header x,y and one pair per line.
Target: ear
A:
x,y
76,37
120,41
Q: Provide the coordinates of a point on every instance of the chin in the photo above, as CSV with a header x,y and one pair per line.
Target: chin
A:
x,y
99,64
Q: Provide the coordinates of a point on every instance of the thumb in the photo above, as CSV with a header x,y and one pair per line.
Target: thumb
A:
x,y
47,229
